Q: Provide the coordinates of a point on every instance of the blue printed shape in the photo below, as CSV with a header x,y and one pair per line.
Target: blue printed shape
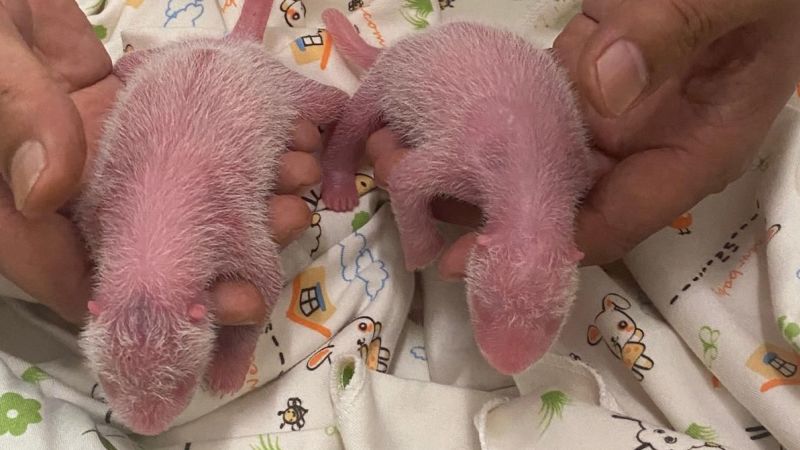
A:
x,y
367,269
183,12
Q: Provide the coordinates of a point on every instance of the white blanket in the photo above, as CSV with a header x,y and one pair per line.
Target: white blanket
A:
x,y
360,354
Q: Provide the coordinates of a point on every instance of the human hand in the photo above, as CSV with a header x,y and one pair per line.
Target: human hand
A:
x,y
681,94
55,88
680,121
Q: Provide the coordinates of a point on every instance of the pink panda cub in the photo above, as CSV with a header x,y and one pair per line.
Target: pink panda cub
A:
x,y
492,121
176,200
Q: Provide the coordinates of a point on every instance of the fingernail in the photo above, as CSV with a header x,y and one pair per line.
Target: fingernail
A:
x,y
26,165
622,74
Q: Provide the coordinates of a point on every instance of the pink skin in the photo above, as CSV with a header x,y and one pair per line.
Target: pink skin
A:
x,y
175,201
491,121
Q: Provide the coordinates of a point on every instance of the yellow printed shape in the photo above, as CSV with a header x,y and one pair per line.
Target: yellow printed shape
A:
x,y
312,47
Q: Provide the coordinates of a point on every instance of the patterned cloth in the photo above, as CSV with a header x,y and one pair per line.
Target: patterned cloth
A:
x,y
698,332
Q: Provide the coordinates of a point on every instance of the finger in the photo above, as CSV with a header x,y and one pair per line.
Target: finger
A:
x,y
44,258
238,303
67,44
289,218
453,263
298,172
638,45
380,143
642,194
598,10
384,152
307,138
93,104
570,42
19,11
41,141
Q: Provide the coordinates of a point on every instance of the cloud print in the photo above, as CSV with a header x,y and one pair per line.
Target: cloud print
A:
x,y
418,352
183,12
367,270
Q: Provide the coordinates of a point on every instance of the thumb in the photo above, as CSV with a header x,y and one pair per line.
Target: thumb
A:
x,y
637,45
42,145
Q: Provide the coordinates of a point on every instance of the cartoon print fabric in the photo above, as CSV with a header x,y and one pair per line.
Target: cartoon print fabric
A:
x,y
693,344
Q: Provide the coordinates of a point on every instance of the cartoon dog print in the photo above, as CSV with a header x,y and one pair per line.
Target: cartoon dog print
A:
x,y
368,344
294,12
661,439
621,335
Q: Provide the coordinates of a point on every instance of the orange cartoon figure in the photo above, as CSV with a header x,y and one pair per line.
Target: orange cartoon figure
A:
x,y
312,47
228,4
776,365
368,343
621,335
683,223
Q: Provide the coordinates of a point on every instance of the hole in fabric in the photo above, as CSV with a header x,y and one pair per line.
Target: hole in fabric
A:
x,y
347,374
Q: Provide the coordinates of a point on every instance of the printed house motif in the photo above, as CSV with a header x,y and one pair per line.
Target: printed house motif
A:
x,y
778,366
311,305
312,47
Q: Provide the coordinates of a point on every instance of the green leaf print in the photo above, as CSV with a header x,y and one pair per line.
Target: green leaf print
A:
x,y
700,432
790,331
266,445
100,31
553,403
708,338
34,375
17,412
421,9
359,220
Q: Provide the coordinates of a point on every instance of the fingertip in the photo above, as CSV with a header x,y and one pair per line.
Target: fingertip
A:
x,y
385,164
289,218
587,79
307,137
380,143
598,240
238,303
298,172
453,263
44,169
